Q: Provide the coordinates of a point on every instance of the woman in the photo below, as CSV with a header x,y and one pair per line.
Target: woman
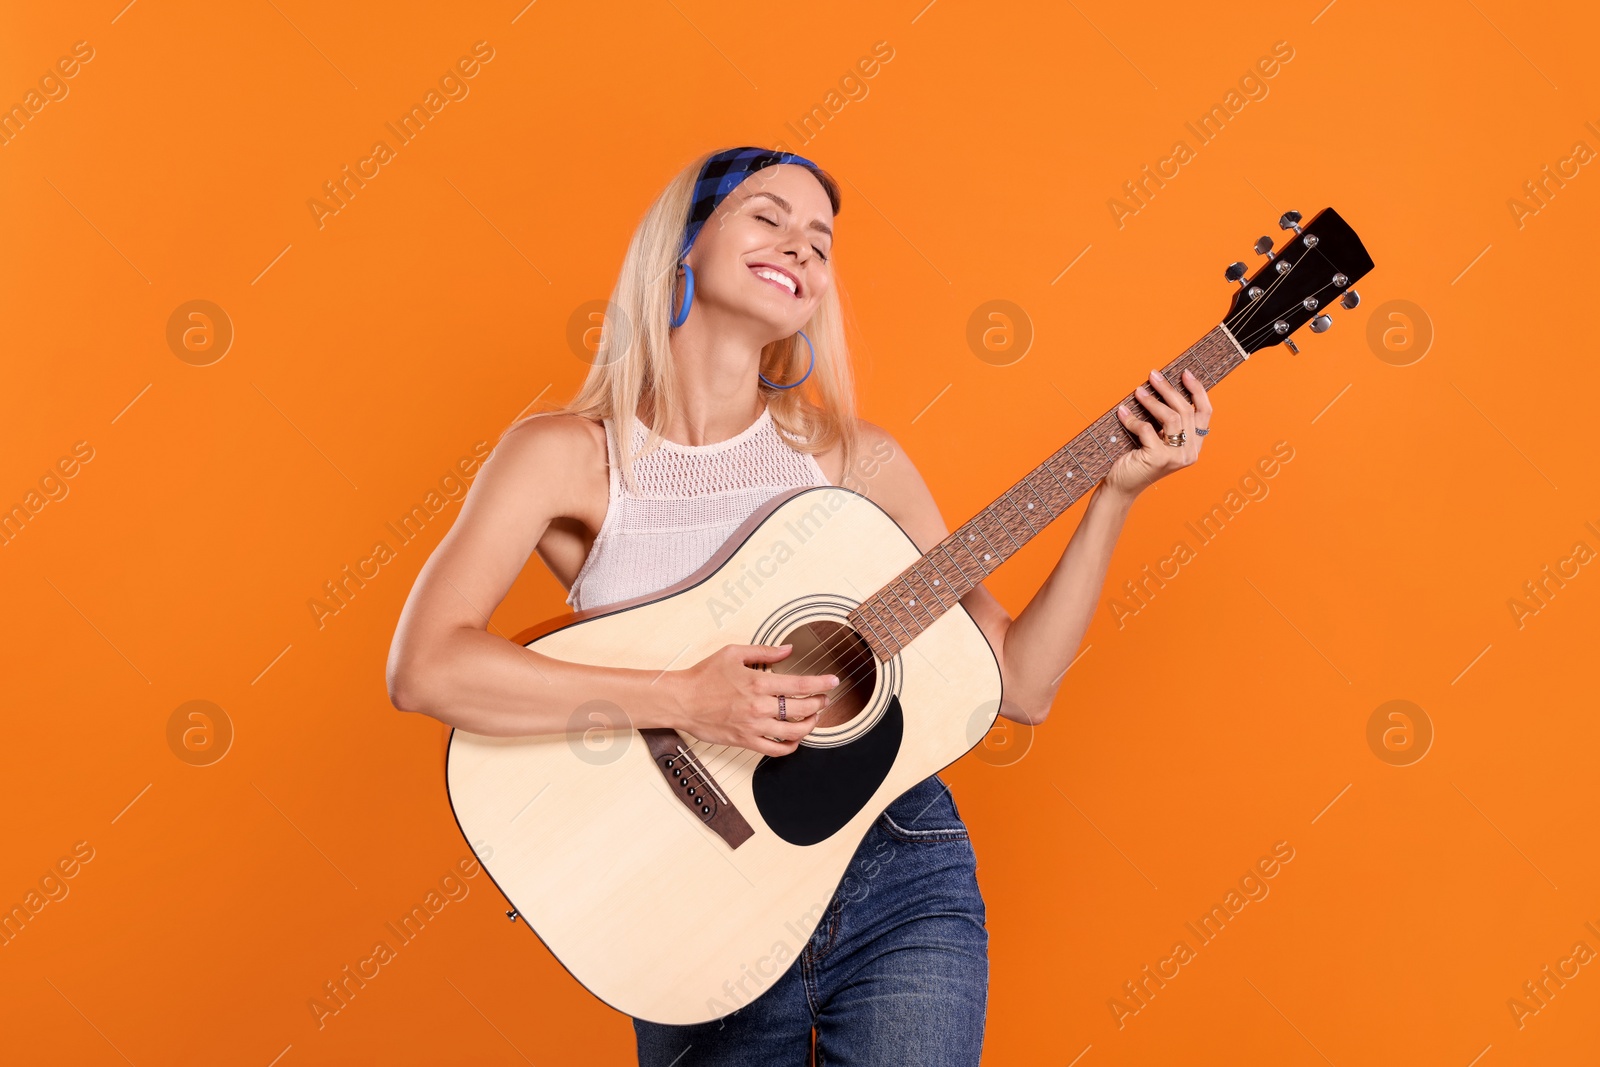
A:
x,y
690,418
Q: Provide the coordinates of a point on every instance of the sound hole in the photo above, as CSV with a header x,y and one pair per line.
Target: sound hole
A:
x,y
827,647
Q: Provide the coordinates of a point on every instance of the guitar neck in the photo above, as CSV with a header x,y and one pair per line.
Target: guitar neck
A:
x,y
891,618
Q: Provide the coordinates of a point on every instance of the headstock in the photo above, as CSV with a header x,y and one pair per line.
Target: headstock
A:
x,y
1299,282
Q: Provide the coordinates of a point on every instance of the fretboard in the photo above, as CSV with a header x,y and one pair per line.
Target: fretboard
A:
x,y
891,618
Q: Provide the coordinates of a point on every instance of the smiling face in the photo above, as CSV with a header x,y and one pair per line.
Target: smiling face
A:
x,y
764,253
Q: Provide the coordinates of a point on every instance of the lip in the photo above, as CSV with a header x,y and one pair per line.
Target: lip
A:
x,y
799,290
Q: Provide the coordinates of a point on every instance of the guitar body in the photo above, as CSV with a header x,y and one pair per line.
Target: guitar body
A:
x,y
677,879
629,885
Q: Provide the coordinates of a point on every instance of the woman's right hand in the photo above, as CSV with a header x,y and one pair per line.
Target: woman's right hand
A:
x,y
728,703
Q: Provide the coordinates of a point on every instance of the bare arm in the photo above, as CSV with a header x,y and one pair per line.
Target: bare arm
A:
x,y
1042,640
1035,648
443,662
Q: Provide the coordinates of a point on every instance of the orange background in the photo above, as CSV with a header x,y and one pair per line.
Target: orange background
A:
x,y
370,354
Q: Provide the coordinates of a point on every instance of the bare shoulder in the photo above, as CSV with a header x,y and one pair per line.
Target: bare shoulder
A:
x,y
884,473
553,436
882,465
546,453
888,477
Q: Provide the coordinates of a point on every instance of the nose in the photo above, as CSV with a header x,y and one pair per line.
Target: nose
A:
x,y
792,242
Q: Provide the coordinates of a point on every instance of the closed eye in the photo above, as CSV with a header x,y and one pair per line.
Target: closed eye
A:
x,y
820,253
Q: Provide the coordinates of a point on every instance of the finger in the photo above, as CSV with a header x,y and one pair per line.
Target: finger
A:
x,y
799,709
790,732
1152,403
1186,412
1201,399
1169,393
1145,432
793,708
761,653
796,684
768,747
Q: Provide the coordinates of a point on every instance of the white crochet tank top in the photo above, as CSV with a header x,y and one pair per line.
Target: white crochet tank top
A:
x,y
686,502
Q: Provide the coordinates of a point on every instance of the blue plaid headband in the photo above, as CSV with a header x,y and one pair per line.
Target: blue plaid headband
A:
x,y
721,175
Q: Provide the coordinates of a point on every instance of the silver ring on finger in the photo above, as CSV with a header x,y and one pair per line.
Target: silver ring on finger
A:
x,y
1177,439
1200,431
783,709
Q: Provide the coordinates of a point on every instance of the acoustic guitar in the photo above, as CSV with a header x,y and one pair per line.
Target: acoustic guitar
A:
x,y
677,879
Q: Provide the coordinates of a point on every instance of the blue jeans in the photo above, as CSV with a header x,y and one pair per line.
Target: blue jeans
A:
x,y
897,971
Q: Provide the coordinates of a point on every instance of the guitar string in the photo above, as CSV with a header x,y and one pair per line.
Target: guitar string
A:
x,y
725,768
708,753
1250,311
742,757
1262,331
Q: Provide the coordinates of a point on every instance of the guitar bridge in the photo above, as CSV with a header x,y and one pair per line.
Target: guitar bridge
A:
x,y
693,785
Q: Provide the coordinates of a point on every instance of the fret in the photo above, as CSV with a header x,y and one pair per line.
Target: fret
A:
x,y
1003,508
1021,509
918,596
1175,378
991,529
921,590
1047,509
863,622
991,555
875,600
902,615
1055,497
885,648
990,514
960,572
1175,375
1116,433
966,546
1031,501
1049,467
913,603
1076,462
1095,437
937,584
1028,535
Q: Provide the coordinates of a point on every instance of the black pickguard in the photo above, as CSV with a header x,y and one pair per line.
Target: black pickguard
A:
x,y
808,795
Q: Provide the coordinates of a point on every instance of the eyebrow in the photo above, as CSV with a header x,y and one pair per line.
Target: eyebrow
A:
x,y
781,202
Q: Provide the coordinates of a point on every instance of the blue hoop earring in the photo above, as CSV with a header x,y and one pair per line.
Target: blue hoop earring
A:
x,y
688,294
804,376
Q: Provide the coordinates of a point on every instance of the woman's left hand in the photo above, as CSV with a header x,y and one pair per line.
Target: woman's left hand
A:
x,y
1134,472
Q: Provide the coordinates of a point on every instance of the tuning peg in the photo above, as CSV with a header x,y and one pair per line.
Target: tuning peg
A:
x,y
1290,221
1350,299
1321,324
1264,246
1235,273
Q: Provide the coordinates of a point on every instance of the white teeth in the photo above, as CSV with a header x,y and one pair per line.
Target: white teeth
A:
x,y
782,279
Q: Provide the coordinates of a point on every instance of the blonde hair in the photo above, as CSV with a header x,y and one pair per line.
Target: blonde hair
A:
x,y
634,363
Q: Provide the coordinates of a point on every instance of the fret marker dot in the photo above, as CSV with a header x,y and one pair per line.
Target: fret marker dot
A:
x,y
986,555
912,602
936,581
1030,505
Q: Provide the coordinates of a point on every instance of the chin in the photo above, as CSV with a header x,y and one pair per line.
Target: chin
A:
x,y
775,326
